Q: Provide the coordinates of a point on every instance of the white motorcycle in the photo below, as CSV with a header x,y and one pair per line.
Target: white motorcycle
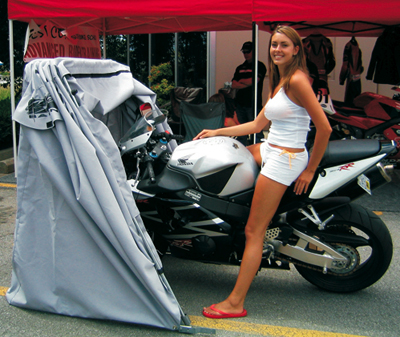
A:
x,y
195,201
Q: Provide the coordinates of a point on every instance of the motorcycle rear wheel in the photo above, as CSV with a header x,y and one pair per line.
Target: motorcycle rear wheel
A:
x,y
373,259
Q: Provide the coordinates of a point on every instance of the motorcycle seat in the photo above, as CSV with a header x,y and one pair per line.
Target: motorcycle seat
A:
x,y
344,151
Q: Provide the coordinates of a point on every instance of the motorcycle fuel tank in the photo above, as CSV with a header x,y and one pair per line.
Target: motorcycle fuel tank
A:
x,y
220,165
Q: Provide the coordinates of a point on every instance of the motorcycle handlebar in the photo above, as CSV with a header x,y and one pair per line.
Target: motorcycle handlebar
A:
x,y
150,170
168,136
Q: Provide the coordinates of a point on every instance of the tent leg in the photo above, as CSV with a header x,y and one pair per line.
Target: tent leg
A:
x,y
12,92
185,327
255,72
104,40
196,329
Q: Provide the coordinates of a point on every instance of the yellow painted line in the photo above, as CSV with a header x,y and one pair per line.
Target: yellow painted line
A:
x,y
250,328
8,185
260,329
378,212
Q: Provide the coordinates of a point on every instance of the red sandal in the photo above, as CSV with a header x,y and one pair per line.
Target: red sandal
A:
x,y
222,314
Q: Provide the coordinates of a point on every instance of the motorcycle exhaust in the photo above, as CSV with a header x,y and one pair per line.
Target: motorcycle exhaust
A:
x,y
387,171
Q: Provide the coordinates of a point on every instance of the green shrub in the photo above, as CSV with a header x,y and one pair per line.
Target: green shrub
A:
x,y
161,83
4,93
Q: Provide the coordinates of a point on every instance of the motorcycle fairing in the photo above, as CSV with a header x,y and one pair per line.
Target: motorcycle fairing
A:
x,y
207,159
382,127
219,206
361,122
377,177
169,180
332,178
393,132
191,230
325,101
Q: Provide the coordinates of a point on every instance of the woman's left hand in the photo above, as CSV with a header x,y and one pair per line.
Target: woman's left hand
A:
x,y
303,181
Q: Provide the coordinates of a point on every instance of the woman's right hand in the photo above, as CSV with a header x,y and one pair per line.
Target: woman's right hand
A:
x,y
206,134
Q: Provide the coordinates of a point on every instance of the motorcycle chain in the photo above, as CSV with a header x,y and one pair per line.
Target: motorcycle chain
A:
x,y
319,269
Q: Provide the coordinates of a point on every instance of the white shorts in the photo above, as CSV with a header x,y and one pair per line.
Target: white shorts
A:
x,y
281,166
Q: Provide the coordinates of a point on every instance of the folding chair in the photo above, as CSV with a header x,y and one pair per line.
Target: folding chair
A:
x,y
197,117
178,95
185,94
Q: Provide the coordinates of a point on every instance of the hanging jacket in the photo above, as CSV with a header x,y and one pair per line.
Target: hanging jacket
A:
x,y
351,70
384,67
319,50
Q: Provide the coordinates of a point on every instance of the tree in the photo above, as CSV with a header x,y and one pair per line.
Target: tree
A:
x,y
19,41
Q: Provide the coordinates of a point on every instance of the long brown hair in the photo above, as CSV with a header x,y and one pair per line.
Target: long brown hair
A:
x,y
298,62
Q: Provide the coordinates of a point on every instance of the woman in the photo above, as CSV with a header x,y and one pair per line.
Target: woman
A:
x,y
283,158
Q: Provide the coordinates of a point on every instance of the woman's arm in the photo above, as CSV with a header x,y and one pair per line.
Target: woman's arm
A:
x,y
238,130
303,95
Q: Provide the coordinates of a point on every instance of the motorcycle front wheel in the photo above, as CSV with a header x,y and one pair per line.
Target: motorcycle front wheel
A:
x,y
367,263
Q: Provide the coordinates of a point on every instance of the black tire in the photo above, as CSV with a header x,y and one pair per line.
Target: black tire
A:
x,y
374,258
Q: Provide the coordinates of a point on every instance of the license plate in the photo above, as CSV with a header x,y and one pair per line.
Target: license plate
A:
x,y
364,183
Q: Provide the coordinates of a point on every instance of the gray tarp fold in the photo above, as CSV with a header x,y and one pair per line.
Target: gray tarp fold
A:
x,y
80,245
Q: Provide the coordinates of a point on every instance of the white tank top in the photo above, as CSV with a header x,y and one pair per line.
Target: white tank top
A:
x,y
290,122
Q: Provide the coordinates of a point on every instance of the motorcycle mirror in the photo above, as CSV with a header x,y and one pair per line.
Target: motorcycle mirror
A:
x,y
159,119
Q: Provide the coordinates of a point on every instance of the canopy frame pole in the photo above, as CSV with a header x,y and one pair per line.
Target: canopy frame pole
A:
x,y
192,330
211,63
12,92
104,40
255,72
149,60
128,50
176,60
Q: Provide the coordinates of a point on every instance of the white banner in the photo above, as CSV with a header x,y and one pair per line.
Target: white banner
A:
x,y
49,41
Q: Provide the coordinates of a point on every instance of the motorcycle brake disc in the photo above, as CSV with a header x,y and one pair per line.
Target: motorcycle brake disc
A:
x,y
353,259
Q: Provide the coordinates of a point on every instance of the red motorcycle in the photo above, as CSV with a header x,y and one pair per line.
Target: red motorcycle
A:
x,y
371,116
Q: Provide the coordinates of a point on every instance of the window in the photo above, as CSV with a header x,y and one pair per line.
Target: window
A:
x,y
191,55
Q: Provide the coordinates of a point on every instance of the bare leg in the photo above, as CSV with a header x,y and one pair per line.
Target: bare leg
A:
x,y
255,151
267,196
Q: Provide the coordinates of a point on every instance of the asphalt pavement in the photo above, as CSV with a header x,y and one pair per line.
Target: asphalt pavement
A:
x,y
280,303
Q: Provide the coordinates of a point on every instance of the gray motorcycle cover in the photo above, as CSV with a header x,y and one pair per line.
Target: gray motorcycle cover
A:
x,y
80,245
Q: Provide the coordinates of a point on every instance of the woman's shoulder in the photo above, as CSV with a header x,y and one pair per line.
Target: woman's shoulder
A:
x,y
299,81
299,77
299,87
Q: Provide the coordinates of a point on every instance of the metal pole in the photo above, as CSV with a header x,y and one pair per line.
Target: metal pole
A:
x,y
149,59
208,75
104,40
128,50
12,92
211,66
255,71
176,59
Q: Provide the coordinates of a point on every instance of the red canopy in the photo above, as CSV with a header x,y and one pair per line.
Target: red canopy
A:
x,y
331,18
138,16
